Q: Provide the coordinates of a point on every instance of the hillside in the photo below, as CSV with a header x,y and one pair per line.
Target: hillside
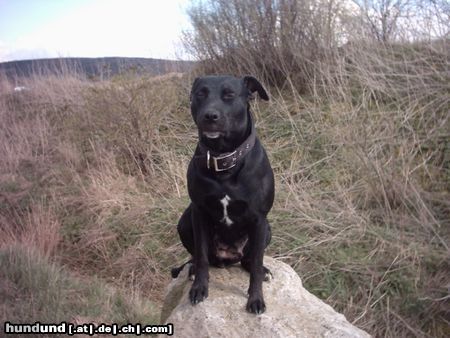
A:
x,y
93,173
103,68
92,186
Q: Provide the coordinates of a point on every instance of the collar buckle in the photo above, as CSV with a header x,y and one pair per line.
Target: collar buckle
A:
x,y
225,166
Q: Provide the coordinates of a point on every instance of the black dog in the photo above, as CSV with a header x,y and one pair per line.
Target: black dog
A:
x,y
230,184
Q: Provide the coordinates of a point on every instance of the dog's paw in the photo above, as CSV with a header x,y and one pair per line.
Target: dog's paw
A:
x,y
267,274
256,305
198,293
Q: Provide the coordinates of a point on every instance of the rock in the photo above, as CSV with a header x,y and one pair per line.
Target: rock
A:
x,y
291,310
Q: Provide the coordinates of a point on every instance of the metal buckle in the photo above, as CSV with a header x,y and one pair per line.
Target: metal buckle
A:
x,y
216,167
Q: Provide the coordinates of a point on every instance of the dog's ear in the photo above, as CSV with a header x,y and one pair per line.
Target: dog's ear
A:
x,y
253,85
192,88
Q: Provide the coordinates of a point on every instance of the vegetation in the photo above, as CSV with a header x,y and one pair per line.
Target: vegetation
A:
x,y
92,176
358,133
34,289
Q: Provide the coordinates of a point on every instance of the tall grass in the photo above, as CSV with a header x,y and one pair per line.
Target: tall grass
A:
x,y
92,176
35,290
361,206
73,192
358,134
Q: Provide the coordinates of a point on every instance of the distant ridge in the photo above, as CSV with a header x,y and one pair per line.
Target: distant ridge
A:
x,y
94,68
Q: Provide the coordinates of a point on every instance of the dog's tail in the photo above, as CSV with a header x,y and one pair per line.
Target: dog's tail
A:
x,y
176,271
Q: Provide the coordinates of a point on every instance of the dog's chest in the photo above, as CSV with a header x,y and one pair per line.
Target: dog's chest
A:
x,y
225,203
228,212
230,233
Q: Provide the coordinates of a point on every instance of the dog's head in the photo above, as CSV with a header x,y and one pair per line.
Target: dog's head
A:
x,y
219,106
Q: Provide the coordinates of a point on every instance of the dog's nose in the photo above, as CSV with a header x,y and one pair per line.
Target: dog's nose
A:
x,y
211,116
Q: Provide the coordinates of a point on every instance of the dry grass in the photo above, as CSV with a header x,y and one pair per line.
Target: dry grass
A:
x,y
358,134
34,289
358,224
39,228
92,177
67,196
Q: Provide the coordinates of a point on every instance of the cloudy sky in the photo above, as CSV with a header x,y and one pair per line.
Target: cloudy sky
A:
x,y
91,28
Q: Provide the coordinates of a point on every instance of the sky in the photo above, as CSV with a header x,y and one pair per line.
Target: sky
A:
x,y
31,29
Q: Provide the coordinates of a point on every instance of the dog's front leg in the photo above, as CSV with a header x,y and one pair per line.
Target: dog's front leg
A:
x,y
254,264
199,289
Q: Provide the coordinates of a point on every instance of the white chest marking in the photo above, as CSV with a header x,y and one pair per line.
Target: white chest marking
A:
x,y
225,201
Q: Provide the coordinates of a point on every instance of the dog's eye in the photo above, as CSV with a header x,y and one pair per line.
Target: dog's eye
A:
x,y
228,95
201,94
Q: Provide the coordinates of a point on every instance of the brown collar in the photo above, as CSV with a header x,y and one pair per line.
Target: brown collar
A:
x,y
223,161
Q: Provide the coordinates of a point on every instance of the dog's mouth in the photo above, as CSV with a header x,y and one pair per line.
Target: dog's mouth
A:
x,y
212,134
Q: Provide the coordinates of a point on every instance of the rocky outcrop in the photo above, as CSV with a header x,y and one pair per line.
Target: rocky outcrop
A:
x,y
291,310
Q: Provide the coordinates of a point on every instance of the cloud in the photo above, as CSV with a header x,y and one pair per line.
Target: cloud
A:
x,y
105,28
9,52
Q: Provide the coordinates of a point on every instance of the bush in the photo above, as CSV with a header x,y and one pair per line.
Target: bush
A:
x,y
276,40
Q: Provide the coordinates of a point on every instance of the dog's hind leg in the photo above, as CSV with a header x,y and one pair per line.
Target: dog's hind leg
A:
x,y
245,262
186,233
176,271
268,276
186,230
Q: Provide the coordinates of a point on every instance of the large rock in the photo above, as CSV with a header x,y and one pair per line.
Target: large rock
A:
x,y
291,310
